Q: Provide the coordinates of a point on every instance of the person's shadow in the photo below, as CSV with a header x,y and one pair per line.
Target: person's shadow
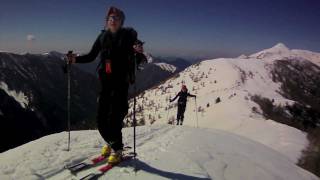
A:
x,y
142,166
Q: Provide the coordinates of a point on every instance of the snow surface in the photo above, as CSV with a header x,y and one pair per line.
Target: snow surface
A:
x,y
311,56
56,54
20,97
234,81
166,67
164,152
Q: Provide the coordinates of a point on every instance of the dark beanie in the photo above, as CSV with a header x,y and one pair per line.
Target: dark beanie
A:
x,y
118,12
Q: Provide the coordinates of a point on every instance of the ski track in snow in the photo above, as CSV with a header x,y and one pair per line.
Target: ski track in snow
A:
x,y
164,152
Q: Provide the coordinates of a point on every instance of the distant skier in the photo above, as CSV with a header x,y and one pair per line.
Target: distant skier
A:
x,y
182,102
119,52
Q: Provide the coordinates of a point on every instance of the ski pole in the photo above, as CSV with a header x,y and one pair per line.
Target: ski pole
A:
x,y
195,100
134,121
168,112
134,114
68,71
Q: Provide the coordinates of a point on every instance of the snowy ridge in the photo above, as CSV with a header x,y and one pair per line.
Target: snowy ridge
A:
x,y
20,97
309,55
234,81
282,51
276,51
192,153
166,67
55,54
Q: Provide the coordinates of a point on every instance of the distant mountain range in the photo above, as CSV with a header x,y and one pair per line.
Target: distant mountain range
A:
x,y
33,91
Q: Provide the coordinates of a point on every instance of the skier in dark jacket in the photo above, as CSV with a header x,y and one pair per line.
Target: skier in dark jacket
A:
x,y
119,52
182,102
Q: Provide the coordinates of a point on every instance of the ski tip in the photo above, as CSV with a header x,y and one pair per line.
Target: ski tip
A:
x,y
106,168
98,159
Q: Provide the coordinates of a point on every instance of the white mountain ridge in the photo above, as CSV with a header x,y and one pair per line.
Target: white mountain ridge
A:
x,y
234,80
166,67
281,51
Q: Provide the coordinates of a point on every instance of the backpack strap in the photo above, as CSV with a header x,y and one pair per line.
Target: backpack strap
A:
x,y
102,45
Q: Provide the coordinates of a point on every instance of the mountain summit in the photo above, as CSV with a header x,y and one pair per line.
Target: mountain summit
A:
x,y
277,50
280,46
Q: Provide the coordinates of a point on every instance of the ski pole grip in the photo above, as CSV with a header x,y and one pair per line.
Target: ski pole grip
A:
x,y
66,67
69,54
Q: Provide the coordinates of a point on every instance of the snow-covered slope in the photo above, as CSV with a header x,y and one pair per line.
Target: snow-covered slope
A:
x,y
234,81
20,97
166,67
55,54
309,55
274,52
164,152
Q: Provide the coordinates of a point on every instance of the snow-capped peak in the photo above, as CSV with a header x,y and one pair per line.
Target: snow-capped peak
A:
x,y
281,51
54,54
280,46
243,56
278,50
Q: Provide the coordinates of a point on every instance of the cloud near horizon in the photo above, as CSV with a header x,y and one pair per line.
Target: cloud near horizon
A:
x,y
31,37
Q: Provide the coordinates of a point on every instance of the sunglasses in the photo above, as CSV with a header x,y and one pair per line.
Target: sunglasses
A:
x,y
114,18
139,45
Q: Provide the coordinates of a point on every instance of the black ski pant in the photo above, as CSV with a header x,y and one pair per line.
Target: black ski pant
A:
x,y
181,110
112,109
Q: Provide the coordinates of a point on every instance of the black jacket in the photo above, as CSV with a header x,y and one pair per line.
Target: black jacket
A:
x,y
183,97
118,48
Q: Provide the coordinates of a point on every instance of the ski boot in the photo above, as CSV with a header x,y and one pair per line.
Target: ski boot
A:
x,y
180,123
177,122
106,150
115,157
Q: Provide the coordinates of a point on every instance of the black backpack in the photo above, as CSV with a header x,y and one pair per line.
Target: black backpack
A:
x,y
126,39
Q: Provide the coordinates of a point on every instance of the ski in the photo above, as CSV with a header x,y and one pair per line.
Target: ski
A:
x,y
75,168
102,170
85,164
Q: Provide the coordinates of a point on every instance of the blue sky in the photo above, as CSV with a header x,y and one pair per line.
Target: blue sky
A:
x,y
203,28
